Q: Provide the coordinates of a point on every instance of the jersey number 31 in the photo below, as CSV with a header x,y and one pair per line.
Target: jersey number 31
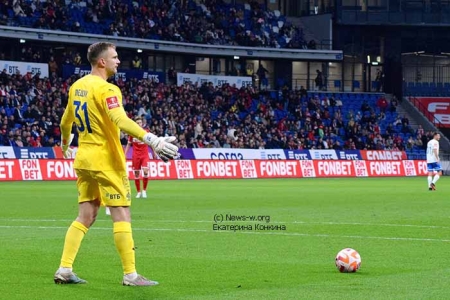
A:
x,y
84,117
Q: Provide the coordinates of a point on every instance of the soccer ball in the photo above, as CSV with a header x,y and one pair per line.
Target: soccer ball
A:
x,y
348,260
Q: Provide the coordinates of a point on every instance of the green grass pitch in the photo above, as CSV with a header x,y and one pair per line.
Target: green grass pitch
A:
x,y
401,230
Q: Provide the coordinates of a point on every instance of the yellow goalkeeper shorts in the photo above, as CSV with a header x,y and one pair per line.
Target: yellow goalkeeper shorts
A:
x,y
112,188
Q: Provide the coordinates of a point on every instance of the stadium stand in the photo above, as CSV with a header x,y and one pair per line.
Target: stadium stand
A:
x,y
30,110
432,89
206,116
213,22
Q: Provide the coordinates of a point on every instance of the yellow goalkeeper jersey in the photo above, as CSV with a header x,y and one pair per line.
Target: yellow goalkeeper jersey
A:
x,y
95,106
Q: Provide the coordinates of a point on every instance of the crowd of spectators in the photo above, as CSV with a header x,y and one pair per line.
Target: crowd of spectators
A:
x,y
208,116
200,116
211,22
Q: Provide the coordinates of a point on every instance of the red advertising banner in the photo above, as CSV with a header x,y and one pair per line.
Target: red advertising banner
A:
x,y
59,169
7,167
437,107
58,152
383,155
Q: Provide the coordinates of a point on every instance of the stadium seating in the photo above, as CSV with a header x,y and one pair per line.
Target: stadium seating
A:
x,y
426,89
272,113
213,22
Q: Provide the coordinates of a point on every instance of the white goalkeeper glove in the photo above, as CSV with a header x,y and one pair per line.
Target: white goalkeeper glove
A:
x,y
162,146
67,152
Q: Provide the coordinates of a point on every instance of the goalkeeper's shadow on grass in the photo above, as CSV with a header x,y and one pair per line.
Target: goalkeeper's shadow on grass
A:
x,y
111,289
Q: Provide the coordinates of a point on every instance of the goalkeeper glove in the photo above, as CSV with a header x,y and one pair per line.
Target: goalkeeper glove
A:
x,y
162,146
67,152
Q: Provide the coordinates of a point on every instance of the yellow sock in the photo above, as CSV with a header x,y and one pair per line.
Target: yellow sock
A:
x,y
72,243
123,238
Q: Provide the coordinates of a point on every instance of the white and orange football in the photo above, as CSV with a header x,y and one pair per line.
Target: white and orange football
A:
x,y
348,260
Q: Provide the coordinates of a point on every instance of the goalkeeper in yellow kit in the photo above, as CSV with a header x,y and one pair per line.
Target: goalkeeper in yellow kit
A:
x,y
95,106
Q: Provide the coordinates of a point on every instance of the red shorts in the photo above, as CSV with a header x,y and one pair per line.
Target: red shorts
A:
x,y
140,162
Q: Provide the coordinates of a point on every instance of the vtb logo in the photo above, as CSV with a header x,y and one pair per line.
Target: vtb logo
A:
x,y
113,196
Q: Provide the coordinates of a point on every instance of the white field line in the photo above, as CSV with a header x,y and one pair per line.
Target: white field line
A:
x,y
244,232
243,222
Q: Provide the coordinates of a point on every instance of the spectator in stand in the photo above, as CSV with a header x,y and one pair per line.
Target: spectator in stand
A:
x,y
18,115
40,24
410,143
405,121
382,104
136,63
379,80
52,65
319,80
420,130
4,78
405,125
418,141
18,11
172,75
365,107
50,142
393,105
76,27
18,142
398,121
77,61
312,44
261,72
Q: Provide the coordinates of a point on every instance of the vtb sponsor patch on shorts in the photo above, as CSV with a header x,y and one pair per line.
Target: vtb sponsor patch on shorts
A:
x,y
112,102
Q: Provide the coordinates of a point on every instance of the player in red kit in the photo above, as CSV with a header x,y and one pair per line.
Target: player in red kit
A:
x,y
140,160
